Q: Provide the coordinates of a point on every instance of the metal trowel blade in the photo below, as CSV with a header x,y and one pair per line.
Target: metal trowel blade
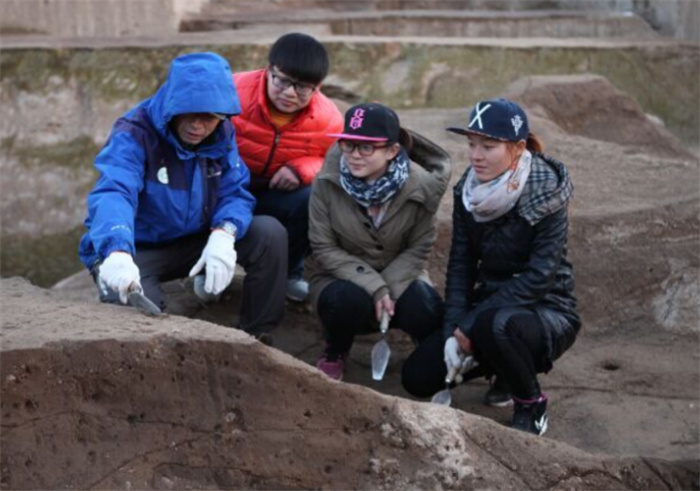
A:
x,y
444,397
143,304
380,359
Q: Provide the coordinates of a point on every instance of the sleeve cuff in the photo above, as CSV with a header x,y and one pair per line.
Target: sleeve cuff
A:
x,y
380,293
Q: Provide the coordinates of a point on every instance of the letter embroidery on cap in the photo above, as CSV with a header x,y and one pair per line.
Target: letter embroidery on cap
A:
x,y
163,175
517,123
477,118
357,119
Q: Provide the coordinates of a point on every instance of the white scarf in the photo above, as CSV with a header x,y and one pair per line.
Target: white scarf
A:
x,y
492,199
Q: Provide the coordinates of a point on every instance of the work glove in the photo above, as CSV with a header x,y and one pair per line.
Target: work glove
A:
x,y
119,273
219,257
453,357
467,364
456,361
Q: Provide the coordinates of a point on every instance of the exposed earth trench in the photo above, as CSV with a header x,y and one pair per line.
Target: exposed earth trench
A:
x,y
108,398
97,396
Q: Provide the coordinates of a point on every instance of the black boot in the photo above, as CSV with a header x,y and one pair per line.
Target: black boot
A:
x,y
531,416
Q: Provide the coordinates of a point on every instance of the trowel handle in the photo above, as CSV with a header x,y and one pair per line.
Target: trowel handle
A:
x,y
135,287
384,323
451,375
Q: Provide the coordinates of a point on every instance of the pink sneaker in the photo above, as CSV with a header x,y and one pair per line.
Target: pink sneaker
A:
x,y
332,365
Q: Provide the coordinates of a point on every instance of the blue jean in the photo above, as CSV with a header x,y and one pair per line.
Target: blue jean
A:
x,y
291,208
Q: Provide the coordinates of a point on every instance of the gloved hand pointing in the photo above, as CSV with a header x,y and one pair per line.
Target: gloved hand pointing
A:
x,y
219,257
118,272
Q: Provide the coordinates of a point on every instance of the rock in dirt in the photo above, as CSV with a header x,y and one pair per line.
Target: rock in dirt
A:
x,y
99,396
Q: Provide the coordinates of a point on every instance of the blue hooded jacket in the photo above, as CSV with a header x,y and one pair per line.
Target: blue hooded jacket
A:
x,y
152,189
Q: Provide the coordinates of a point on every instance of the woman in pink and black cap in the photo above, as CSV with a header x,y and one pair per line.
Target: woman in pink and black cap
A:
x,y
371,228
510,305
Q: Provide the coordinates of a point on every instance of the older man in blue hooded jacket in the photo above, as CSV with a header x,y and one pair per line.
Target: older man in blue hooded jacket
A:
x,y
172,200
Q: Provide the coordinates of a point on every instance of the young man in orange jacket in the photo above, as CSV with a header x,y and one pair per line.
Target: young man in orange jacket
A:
x,y
281,136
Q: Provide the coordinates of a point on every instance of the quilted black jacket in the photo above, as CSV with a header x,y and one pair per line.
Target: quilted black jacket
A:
x,y
517,260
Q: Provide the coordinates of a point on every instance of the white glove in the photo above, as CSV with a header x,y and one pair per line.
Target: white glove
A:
x,y
119,273
219,256
454,357
467,364
457,361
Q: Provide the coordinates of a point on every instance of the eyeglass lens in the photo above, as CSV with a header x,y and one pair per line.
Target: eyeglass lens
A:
x,y
284,83
365,149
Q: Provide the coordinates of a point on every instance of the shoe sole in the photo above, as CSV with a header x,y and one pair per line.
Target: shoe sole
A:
x,y
507,403
295,299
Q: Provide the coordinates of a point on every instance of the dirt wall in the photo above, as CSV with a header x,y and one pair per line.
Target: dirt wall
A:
x,y
105,398
95,18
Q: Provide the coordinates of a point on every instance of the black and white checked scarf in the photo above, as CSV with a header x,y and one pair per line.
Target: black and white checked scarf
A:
x,y
383,189
548,189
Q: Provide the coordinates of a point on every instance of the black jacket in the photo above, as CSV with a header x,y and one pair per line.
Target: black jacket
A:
x,y
517,260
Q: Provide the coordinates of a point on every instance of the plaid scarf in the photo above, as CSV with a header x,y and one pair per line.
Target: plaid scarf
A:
x,y
380,191
548,189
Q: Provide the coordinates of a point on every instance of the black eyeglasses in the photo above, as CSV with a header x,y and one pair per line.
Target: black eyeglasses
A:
x,y
365,149
283,83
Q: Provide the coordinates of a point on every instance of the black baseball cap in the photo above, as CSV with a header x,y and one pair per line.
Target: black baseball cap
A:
x,y
499,119
370,122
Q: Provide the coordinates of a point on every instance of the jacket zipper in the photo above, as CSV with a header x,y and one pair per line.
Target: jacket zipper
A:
x,y
272,152
205,190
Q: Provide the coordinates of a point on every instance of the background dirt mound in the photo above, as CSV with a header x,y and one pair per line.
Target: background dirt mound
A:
x,y
589,105
107,398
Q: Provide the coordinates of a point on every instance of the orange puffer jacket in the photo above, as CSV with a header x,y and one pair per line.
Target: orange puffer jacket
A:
x,y
300,145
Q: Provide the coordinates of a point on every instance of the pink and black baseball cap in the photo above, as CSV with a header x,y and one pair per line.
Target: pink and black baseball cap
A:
x,y
370,122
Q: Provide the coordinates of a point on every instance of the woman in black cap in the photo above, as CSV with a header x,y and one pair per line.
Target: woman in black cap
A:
x,y
371,228
510,305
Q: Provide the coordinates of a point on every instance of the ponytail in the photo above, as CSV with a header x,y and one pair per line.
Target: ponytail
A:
x,y
534,143
405,139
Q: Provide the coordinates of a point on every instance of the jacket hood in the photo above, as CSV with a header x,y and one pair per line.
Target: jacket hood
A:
x,y
430,171
548,189
196,83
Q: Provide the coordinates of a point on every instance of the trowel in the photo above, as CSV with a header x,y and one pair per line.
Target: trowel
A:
x,y
444,397
141,302
381,352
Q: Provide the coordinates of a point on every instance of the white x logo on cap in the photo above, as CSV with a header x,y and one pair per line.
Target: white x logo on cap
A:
x,y
477,118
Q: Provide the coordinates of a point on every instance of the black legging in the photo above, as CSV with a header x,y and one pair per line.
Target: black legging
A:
x,y
346,309
508,342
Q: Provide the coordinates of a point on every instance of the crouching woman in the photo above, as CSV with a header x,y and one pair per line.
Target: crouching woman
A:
x,y
509,292
372,226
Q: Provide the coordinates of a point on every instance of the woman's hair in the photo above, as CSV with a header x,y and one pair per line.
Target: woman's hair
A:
x,y
405,139
534,143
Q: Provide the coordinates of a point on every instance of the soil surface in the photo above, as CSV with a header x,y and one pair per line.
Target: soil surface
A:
x,y
630,385
107,398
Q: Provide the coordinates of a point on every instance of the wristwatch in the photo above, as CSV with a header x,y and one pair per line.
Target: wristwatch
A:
x,y
228,227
